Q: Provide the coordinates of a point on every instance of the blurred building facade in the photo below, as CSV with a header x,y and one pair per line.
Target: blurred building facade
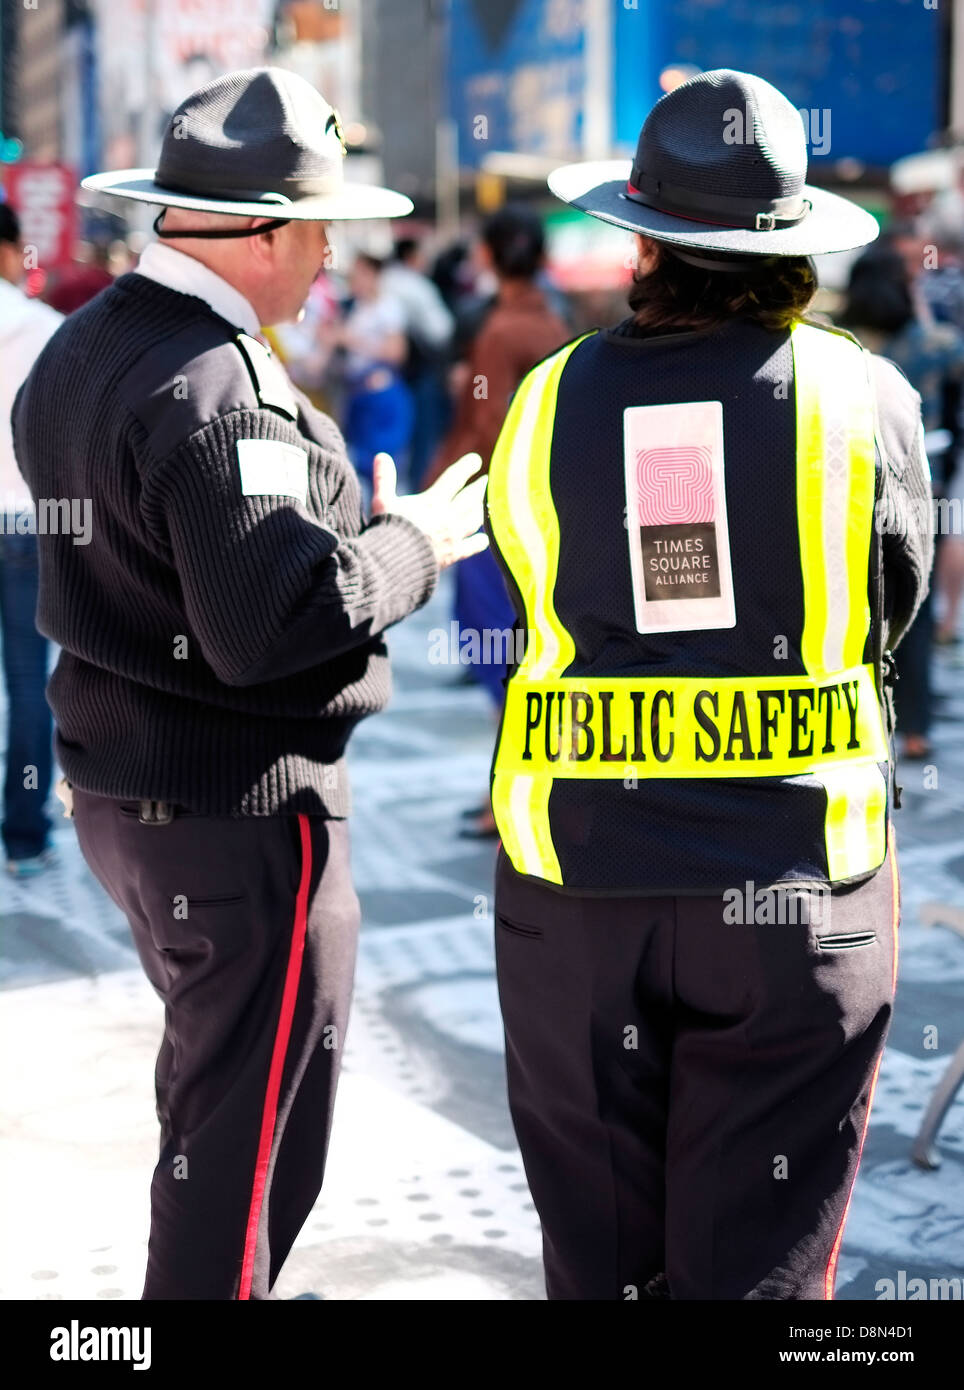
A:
x,y
402,91
565,79
31,95
486,93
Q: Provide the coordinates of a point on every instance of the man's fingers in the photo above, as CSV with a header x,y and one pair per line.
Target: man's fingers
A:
x,y
467,505
456,476
472,545
384,480
461,550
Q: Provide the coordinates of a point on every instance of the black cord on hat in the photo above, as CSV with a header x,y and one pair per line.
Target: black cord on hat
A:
x,y
270,226
742,265
746,266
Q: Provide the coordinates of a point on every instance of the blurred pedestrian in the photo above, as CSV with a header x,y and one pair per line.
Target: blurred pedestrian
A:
x,y
517,331
887,313
941,289
87,275
26,325
429,326
221,636
379,414
469,291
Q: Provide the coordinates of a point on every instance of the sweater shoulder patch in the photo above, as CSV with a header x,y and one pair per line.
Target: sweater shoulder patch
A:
x,y
269,380
192,379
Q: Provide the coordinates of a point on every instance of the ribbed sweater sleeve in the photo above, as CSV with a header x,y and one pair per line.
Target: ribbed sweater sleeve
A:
x,y
267,588
905,510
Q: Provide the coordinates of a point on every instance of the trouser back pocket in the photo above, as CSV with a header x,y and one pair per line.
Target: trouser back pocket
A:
x,y
845,941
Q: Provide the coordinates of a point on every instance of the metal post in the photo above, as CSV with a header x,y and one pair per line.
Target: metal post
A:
x,y
955,103
598,92
147,132
446,130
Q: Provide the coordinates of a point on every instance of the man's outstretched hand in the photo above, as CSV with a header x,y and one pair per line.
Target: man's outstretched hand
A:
x,y
449,512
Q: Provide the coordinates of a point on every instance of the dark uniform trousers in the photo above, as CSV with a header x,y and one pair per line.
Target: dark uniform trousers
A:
x,y
247,928
690,1094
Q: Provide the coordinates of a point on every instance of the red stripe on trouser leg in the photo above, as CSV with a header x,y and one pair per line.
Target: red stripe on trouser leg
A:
x,y
895,883
832,1262
282,1035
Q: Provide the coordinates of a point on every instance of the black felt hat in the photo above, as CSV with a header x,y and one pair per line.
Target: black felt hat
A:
x,y
721,165
254,142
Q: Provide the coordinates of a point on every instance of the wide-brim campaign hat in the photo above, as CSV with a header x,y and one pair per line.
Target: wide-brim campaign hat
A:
x,y
252,143
721,165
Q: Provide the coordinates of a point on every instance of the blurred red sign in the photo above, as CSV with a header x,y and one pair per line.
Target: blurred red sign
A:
x,y
42,195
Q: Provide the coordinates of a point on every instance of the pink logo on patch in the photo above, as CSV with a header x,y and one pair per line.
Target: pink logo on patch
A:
x,y
675,484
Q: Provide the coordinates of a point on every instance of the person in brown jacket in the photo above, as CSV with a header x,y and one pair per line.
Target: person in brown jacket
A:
x,y
518,331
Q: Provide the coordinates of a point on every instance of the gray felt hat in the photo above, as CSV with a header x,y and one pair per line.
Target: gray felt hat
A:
x,y
255,142
721,165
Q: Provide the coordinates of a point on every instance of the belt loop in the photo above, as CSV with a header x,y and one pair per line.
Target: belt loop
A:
x,y
156,813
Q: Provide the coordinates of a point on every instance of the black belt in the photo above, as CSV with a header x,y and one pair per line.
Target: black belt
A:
x,y
148,812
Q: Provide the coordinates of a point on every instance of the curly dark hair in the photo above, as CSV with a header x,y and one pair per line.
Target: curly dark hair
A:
x,y
774,293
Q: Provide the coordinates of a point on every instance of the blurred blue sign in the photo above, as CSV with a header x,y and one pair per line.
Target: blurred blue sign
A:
x,y
866,72
515,77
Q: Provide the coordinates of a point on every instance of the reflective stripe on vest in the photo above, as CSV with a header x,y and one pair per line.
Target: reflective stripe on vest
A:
x,y
835,517
694,726
518,489
826,724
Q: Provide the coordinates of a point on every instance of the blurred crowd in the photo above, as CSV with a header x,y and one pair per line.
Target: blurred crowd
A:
x,y
905,300
417,354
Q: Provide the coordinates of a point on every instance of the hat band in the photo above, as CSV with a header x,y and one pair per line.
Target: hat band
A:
x,y
298,188
700,207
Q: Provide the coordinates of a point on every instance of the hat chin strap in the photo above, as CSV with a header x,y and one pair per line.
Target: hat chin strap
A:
x,y
747,266
744,266
271,226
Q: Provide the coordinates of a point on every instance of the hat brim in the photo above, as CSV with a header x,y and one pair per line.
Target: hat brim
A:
x,y
354,202
598,188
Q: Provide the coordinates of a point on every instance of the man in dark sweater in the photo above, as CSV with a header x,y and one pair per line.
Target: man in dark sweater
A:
x,y
221,636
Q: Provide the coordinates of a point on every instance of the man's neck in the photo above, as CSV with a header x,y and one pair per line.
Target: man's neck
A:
x,y
181,271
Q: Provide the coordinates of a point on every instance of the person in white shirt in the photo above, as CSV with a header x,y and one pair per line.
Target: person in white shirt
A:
x,y
428,319
25,327
379,412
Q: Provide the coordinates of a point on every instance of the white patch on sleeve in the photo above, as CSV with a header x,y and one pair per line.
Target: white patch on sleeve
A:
x,y
271,468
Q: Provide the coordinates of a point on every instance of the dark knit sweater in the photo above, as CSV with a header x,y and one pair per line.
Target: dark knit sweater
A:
x,y
217,648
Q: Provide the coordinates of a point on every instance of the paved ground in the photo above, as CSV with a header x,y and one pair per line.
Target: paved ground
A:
x,y
425,1196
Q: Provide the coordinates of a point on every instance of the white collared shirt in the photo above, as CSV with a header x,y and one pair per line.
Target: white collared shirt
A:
x,y
188,276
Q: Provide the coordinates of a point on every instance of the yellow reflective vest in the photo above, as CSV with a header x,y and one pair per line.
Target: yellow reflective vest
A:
x,y
686,525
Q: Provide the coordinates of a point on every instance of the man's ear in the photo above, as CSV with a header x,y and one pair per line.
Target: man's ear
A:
x,y
263,247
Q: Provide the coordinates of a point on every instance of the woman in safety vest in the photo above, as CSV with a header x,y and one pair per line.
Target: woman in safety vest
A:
x,y
714,520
